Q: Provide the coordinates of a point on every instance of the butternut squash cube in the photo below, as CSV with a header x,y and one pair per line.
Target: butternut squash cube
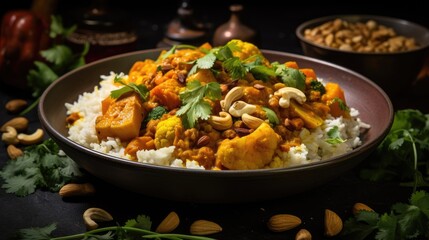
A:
x,y
122,119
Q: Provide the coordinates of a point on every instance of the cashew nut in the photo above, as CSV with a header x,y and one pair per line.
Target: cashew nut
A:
x,y
239,108
91,215
288,93
10,135
251,121
33,138
221,122
234,94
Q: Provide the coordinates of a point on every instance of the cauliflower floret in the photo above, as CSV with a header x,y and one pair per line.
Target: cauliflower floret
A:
x,y
246,50
167,131
253,151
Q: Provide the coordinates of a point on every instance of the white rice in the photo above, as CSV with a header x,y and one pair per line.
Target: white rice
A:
x,y
314,145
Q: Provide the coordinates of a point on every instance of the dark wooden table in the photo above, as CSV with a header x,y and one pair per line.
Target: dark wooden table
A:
x,y
239,221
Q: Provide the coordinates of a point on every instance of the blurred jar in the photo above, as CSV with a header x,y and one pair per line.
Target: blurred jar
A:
x,y
108,31
234,28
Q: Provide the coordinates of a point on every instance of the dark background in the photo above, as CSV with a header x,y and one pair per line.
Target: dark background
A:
x,y
275,22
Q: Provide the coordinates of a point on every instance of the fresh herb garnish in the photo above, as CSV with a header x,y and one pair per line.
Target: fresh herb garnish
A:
x,y
334,136
155,113
290,76
205,62
41,166
318,86
194,105
341,103
272,116
60,59
402,153
133,229
404,221
130,87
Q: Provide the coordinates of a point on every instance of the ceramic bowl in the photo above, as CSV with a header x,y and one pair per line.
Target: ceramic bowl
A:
x,y
211,186
393,71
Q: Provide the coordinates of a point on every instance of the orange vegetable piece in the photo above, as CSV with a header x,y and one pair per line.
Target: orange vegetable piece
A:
x,y
167,94
309,73
291,64
333,97
139,143
122,119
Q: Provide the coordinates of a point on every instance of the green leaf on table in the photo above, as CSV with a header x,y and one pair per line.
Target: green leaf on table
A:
x,y
404,221
41,166
43,233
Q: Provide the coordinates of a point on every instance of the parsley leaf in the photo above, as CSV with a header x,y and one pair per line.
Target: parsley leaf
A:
x,y
194,105
41,166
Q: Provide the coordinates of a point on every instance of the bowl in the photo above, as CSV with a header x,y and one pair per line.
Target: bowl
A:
x,y
213,186
392,71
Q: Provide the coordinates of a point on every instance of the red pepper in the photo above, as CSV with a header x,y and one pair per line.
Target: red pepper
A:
x,y
23,35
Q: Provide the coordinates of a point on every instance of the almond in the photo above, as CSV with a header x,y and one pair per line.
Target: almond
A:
x,y
19,123
303,234
204,227
15,105
77,189
14,152
169,223
357,207
283,222
333,223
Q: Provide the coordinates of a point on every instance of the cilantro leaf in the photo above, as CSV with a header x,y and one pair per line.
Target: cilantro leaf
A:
x,y
272,116
401,154
39,79
235,68
129,87
43,233
194,106
141,221
405,221
334,136
205,62
41,166
290,76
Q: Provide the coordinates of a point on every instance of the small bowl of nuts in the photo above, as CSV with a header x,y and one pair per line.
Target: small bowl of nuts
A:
x,y
389,51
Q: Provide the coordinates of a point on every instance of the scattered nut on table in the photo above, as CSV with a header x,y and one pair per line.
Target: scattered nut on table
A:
x,y
169,223
283,222
204,227
19,123
333,223
77,190
93,215
16,105
29,139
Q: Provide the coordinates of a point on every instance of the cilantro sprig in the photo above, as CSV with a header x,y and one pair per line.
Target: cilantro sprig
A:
x,y
194,103
133,228
129,87
334,136
402,155
41,166
404,221
59,59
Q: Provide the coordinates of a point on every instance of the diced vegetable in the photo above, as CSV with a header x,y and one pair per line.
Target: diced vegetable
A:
x,y
311,119
122,119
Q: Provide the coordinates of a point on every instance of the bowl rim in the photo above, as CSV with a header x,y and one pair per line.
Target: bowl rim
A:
x,y
423,46
229,173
